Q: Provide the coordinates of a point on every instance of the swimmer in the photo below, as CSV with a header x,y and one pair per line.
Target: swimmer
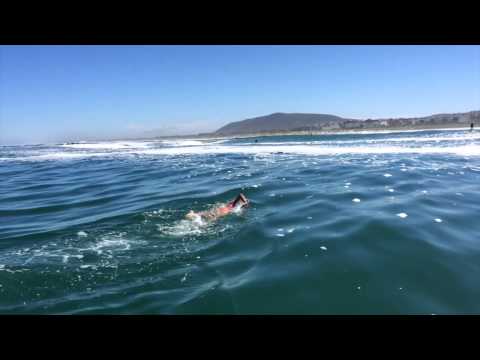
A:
x,y
210,215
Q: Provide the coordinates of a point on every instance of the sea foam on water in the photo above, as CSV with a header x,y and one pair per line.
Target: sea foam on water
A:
x,y
88,226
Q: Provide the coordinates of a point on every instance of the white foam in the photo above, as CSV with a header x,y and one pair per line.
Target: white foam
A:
x,y
55,156
404,145
197,220
110,145
196,226
112,242
186,142
402,215
357,200
219,141
82,233
464,150
454,137
411,139
387,175
437,220
88,266
394,131
237,210
181,228
324,248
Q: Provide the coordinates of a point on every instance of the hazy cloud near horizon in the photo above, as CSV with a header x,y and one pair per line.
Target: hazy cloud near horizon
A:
x,y
132,129
180,128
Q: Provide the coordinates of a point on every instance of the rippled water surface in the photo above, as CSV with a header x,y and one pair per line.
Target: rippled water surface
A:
x,y
372,223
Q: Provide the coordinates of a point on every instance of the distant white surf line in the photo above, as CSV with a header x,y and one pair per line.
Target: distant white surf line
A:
x,y
367,132
183,142
122,145
198,142
55,156
454,137
370,141
464,150
109,145
345,132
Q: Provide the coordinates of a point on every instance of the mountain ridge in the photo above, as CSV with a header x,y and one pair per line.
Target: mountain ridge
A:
x,y
285,122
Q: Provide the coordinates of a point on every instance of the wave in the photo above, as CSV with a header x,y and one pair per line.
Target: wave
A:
x,y
55,156
457,143
462,150
317,150
111,145
191,142
433,138
371,132
183,142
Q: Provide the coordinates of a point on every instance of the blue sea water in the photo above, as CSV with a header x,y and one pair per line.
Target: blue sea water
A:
x,y
365,223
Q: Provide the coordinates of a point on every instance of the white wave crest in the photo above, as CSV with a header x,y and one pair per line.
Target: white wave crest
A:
x,y
464,150
182,142
110,145
412,139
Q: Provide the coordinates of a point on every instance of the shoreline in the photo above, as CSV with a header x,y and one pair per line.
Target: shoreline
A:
x,y
299,133
323,132
272,134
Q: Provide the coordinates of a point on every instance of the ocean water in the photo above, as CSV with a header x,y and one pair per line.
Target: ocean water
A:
x,y
367,223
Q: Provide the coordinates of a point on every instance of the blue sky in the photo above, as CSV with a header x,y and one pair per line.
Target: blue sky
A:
x,y
56,93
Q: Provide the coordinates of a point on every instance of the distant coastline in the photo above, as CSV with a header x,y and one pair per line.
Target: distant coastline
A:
x,y
285,124
213,136
279,124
